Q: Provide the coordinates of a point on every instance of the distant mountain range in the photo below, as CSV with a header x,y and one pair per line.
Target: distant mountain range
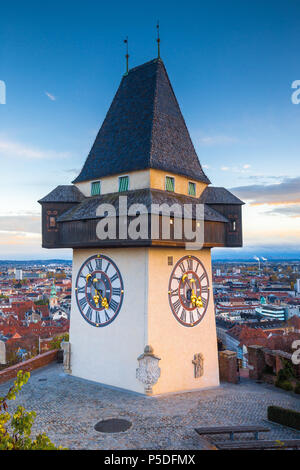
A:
x,y
228,254
34,262
270,252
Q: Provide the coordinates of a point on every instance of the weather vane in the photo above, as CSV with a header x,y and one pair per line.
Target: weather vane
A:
x,y
127,55
158,41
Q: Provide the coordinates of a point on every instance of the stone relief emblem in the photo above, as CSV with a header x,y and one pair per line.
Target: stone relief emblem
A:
x,y
198,365
148,371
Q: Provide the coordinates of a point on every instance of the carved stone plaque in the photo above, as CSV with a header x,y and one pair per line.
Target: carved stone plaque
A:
x,y
198,365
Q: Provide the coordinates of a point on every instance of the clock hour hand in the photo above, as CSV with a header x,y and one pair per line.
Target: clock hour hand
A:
x,y
196,301
104,302
192,297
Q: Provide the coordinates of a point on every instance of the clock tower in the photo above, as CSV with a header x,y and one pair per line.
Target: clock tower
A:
x,y
142,315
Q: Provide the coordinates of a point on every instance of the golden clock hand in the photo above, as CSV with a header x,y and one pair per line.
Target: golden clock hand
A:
x,y
104,302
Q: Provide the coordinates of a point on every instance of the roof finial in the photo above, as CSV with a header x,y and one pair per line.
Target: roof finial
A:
x,y
158,41
126,55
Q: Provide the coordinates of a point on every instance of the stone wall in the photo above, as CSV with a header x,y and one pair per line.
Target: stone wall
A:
x,y
256,362
260,358
228,366
35,363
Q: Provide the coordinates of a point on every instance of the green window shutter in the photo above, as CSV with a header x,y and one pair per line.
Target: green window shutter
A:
x,y
123,183
95,188
170,184
192,189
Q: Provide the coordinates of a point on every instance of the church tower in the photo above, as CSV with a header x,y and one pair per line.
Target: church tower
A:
x,y
53,297
142,315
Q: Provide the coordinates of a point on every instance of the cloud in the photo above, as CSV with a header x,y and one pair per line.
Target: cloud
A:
x,y
19,150
246,166
51,97
217,140
285,192
29,224
291,210
75,170
224,168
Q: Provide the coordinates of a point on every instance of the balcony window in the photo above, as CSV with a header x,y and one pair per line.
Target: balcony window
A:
x,y
192,189
170,184
95,188
123,183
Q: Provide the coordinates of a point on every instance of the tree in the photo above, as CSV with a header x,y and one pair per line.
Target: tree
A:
x,y
15,430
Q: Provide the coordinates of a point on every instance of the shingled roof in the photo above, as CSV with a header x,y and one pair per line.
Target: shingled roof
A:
x,y
87,209
64,193
218,195
144,128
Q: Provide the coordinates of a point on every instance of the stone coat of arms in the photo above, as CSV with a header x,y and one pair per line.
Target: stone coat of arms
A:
x,y
148,371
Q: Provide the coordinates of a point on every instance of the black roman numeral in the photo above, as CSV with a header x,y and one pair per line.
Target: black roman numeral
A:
x,y
114,277
190,264
182,267
113,305
89,266
97,320
83,303
81,290
204,301
191,317
183,316
99,263
107,317
177,305
174,292
116,291
89,314
204,289
203,276
107,266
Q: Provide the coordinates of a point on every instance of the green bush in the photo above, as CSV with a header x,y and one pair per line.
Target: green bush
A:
x,y
284,416
284,384
15,430
297,388
55,343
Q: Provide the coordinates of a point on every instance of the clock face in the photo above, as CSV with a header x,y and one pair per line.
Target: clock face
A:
x,y
99,290
189,291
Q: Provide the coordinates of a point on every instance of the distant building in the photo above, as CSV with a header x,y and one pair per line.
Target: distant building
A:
x,y
271,312
53,297
19,274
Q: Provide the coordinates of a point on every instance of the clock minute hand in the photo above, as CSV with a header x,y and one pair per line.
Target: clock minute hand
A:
x,y
104,302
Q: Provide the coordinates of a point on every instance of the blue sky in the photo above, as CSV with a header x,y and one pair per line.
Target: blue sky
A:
x,y
231,65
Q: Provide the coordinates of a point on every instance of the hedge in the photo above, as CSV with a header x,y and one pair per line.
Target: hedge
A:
x,y
284,416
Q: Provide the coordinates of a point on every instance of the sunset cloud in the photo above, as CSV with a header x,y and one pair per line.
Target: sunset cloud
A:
x,y
286,192
21,223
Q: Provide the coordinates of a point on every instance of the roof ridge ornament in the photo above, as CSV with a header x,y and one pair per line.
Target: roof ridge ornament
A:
x,y
158,40
126,55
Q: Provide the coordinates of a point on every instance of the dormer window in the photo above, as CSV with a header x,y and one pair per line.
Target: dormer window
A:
x,y
192,189
95,188
123,183
170,183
